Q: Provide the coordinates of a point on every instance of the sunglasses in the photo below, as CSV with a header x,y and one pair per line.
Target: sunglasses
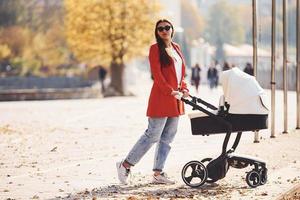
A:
x,y
162,28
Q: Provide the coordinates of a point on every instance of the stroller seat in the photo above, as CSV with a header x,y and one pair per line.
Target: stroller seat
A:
x,y
243,106
203,124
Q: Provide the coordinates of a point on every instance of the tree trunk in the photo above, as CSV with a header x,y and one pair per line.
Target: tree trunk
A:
x,y
116,86
220,55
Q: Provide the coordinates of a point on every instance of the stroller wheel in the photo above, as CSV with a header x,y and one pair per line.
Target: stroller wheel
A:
x,y
263,176
194,174
253,179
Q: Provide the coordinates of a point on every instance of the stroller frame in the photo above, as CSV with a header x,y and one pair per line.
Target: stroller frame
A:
x,y
217,168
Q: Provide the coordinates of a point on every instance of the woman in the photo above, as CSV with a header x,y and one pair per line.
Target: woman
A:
x,y
168,69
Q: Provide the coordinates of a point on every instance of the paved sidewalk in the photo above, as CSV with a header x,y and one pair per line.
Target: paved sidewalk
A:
x,y
68,148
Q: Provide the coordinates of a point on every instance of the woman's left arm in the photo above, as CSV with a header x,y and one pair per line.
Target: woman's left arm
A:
x,y
184,85
184,88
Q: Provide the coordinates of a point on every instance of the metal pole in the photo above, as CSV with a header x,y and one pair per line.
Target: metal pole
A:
x,y
273,56
298,64
285,67
254,36
254,41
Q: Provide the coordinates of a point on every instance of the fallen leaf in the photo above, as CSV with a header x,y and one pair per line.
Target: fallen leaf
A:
x,y
54,149
264,194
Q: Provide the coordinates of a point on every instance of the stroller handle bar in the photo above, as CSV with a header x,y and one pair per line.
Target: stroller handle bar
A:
x,y
198,100
195,100
219,119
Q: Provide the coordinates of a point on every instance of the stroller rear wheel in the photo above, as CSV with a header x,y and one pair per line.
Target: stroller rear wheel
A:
x,y
194,174
253,178
263,176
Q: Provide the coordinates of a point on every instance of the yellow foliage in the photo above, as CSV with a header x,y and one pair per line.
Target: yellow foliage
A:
x,y
108,31
47,48
5,52
30,50
16,38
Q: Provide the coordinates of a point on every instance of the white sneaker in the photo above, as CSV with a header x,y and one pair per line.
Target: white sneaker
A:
x,y
162,179
123,172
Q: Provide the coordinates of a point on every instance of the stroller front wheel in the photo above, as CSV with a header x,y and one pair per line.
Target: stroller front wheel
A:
x,y
253,178
194,174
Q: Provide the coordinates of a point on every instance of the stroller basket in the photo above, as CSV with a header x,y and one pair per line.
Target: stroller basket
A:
x,y
205,125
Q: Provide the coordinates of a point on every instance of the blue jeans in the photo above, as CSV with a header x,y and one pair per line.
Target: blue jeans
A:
x,y
213,82
161,131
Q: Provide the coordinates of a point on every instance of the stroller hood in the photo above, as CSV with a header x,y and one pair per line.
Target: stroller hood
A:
x,y
243,93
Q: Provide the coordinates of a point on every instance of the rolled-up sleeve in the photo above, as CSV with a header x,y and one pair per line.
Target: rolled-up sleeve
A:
x,y
184,86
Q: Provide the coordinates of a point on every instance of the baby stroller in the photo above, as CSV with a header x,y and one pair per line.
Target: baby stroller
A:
x,y
241,108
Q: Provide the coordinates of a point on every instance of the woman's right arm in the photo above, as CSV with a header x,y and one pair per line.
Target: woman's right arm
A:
x,y
156,71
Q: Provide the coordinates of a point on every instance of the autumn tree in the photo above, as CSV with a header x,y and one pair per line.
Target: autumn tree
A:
x,y
109,33
47,51
9,12
192,21
4,51
32,36
224,26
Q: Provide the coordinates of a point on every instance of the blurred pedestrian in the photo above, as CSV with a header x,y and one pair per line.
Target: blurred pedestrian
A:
x,y
218,68
196,77
164,107
102,75
226,66
249,69
212,76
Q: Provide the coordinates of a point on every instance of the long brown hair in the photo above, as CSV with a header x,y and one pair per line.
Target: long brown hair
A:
x,y
163,56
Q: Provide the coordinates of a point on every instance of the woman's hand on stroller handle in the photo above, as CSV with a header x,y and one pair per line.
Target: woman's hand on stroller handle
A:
x,y
179,95
185,94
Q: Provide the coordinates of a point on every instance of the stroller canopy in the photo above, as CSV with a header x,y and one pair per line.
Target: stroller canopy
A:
x,y
243,93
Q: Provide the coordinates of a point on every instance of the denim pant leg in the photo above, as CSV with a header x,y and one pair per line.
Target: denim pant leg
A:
x,y
211,83
163,146
150,136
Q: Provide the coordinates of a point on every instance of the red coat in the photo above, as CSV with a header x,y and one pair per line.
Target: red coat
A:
x,y
161,102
